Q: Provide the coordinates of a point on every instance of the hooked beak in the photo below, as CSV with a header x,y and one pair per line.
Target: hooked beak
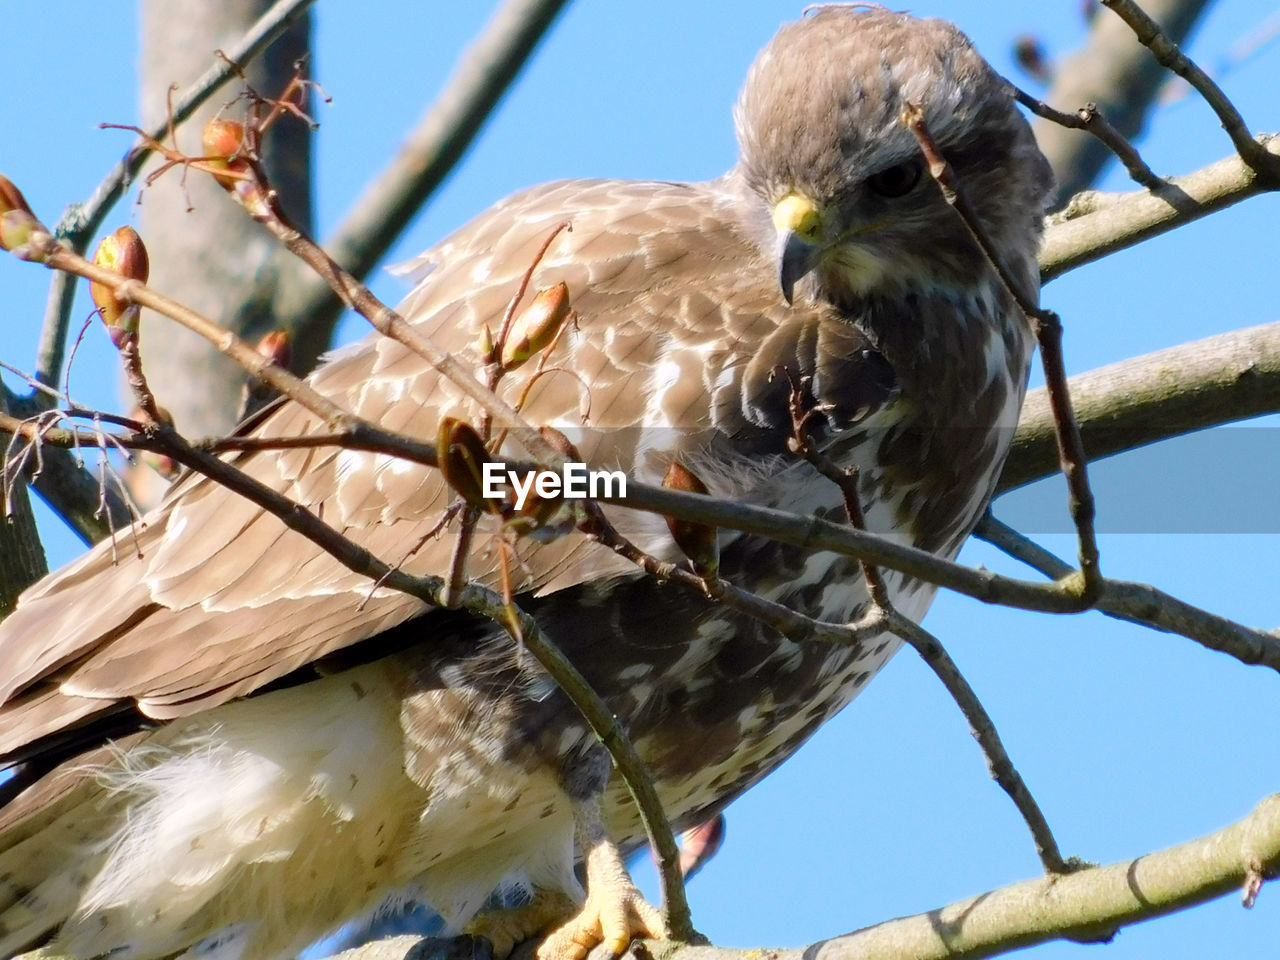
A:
x,y
796,257
798,225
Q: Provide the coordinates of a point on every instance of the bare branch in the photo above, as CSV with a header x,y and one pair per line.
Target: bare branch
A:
x,y
431,150
1231,376
1048,330
1085,906
81,221
1095,224
780,617
1143,604
929,647
1091,120
1169,56
983,728
1114,72
245,180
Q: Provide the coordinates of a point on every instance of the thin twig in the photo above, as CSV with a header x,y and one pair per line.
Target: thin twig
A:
x,y
137,382
845,479
494,370
926,644
262,204
1114,71
1143,604
1048,330
59,257
424,160
1091,120
1169,56
1002,770
1249,45
789,623
81,221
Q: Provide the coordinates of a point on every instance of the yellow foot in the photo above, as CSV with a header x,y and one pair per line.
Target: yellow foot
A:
x,y
613,918
506,928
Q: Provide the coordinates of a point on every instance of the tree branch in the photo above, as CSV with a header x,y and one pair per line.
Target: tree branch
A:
x,y
1114,72
983,729
1089,905
930,648
431,150
1095,224
82,220
1091,120
1205,383
1143,604
1167,54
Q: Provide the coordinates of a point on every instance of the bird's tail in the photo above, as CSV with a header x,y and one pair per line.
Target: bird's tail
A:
x,y
250,830
47,851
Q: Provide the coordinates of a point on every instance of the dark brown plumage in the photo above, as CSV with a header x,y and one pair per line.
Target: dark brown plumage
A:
x,y
454,763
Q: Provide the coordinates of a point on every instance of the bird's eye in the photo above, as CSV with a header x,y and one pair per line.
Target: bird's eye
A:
x,y
895,181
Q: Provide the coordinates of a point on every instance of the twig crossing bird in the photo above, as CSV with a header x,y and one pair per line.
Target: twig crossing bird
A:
x,y
289,746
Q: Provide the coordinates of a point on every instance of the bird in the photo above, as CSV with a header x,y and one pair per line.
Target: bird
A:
x,y
230,743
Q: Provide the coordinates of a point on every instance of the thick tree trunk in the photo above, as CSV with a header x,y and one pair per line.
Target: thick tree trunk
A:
x,y
22,560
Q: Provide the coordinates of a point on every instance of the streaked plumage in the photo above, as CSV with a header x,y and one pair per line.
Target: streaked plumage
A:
x,y
451,764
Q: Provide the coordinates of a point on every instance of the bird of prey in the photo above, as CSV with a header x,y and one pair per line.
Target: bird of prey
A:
x,y
245,744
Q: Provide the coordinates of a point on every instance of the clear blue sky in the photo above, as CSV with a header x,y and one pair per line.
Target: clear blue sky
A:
x,y
1131,740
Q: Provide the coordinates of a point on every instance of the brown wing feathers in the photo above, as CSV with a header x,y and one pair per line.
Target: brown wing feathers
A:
x,y
225,599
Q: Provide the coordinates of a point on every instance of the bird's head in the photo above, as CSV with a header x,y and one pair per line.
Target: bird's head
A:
x,y
849,199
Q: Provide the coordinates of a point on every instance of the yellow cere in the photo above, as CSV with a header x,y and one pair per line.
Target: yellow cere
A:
x,y
798,214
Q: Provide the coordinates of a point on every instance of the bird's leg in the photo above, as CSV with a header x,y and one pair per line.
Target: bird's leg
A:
x,y
615,910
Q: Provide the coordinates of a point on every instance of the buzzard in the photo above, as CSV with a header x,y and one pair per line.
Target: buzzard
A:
x,y
247,744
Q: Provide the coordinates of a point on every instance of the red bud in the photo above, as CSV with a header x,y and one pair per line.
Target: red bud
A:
x,y
698,541
462,455
11,197
537,325
19,227
223,145
122,252
276,346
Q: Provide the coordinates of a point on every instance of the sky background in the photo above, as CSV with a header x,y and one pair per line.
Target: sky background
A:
x,y
1131,740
